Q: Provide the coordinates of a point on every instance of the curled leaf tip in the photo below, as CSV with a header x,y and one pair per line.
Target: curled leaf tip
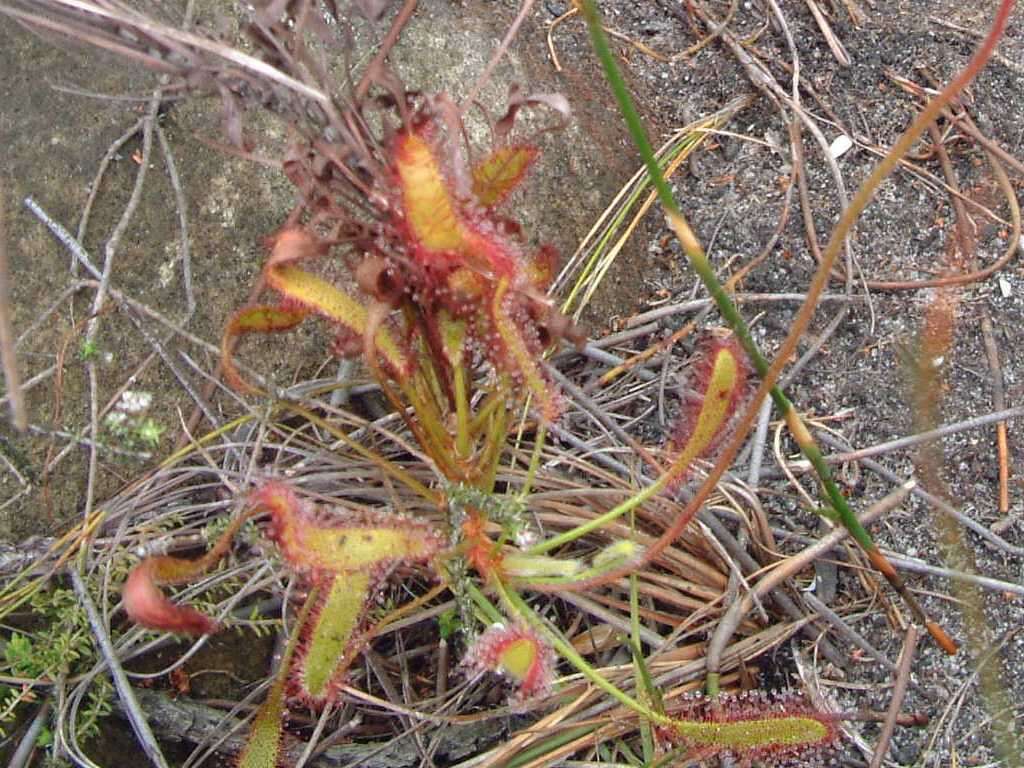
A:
x,y
147,606
518,653
255,319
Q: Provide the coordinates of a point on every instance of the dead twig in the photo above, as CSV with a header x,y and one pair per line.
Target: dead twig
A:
x,y
184,246
899,691
834,43
499,52
847,631
101,169
1013,66
999,403
92,327
911,440
7,356
408,8
135,715
75,247
940,504
27,746
786,568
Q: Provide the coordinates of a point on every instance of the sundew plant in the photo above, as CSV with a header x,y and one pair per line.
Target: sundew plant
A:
x,y
458,502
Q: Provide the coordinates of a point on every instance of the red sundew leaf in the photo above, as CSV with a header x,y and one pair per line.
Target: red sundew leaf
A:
x,y
258,319
440,231
717,383
497,175
769,729
303,293
347,555
542,266
348,542
428,204
266,319
518,653
307,290
146,605
517,350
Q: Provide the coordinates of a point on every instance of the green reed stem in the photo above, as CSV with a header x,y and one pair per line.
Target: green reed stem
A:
x,y
698,258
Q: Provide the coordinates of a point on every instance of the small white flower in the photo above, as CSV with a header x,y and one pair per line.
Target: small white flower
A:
x,y
135,401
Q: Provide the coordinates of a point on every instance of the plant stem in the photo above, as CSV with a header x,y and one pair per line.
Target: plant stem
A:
x,y
136,717
461,412
388,467
517,606
531,471
698,259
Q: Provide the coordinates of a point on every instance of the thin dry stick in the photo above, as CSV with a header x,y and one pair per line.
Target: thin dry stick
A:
x,y
911,440
408,8
966,124
834,43
668,310
184,247
314,738
27,746
913,565
7,357
500,52
136,716
101,169
83,257
192,47
1013,245
847,631
551,41
940,504
766,82
584,402
999,403
899,691
778,596
786,568
101,294
73,245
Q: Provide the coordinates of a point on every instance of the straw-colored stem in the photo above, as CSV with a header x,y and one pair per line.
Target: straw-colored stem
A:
x,y
770,373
